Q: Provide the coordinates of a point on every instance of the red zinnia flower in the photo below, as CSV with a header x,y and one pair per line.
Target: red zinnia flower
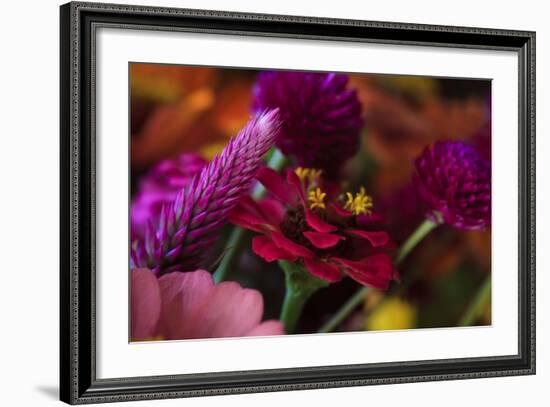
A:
x,y
332,237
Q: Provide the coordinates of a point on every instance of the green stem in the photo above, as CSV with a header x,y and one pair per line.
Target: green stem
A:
x,y
233,246
300,286
425,227
292,309
420,233
343,312
476,306
236,240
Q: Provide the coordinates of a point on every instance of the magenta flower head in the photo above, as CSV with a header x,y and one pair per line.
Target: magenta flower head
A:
x,y
455,182
190,224
160,186
321,117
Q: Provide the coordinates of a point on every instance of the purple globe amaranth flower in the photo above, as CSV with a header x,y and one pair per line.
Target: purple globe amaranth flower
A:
x,y
190,224
455,182
159,187
321,117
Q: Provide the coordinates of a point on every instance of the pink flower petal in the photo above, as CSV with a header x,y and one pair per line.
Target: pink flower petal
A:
x,y
273,182
377,239
317,223
323,270
323,240
228,310
289,246
193,307
267,250
267,328
182,295
145,304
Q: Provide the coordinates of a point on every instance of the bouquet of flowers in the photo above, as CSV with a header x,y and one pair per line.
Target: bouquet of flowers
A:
x,y
288,227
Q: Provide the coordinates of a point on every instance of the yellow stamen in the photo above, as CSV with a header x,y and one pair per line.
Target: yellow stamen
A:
x,y
359,204
314,175
302,173
316,199
311,175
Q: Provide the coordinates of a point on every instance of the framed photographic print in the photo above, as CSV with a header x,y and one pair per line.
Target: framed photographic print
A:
x,y
256,203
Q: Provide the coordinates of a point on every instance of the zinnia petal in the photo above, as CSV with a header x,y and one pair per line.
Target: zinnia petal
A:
x,y
340,212
323,240
296,184
248,219
267,250
375,238
257,216
291,247
323,270
318,224
272,209
145,304
375,271
382,263
273,182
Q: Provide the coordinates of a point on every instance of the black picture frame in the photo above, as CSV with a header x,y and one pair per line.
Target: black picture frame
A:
x,y
78,382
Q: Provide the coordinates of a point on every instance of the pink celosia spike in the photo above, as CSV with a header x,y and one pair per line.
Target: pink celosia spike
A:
x,y
203,208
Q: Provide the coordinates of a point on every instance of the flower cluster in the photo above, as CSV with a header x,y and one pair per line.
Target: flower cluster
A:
x,y
321,117
455,182
332,235
312,216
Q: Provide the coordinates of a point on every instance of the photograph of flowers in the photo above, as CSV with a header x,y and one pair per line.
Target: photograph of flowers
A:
x,y
295,202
